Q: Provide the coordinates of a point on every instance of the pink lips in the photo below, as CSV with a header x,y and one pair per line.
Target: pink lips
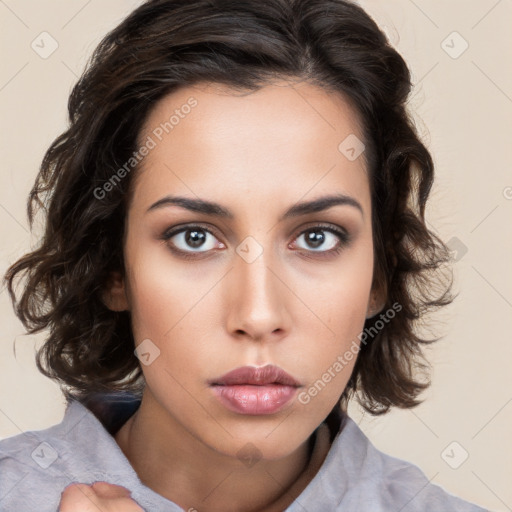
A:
x,y
254,391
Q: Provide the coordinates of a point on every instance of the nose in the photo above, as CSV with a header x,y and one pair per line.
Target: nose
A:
x,y
257,301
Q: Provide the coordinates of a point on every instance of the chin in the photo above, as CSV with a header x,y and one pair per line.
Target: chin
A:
x,y
261,443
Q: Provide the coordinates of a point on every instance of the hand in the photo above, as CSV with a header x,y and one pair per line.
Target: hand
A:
x,y
100,496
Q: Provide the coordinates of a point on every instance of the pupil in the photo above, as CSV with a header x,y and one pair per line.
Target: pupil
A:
x,y
315,237
195,238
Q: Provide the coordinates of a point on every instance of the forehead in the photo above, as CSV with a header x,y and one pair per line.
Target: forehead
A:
x,y
208,140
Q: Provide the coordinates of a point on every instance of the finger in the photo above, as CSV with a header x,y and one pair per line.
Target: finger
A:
x,y
98,496
78,498
109,491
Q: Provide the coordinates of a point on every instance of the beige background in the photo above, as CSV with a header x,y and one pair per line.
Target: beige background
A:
x,y
463,108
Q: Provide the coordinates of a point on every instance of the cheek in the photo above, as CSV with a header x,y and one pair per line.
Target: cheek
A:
x,y
334,333
331,359
168,307
340,297
160,295
340,331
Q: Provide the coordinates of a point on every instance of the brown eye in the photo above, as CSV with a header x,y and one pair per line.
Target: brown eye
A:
x,y
191,239
323,239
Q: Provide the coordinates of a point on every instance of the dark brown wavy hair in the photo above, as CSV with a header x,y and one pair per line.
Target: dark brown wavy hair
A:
x,y
245,44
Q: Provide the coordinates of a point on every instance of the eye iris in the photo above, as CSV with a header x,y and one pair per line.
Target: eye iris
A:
x,y
315,238
195,238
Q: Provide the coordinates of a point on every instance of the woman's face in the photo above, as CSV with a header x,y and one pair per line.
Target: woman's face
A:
x,y
239,280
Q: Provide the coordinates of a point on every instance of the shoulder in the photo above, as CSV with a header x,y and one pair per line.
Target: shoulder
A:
x,y
405,485
358,476
35,466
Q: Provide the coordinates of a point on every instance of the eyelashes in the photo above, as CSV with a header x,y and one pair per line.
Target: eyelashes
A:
x,y
199,237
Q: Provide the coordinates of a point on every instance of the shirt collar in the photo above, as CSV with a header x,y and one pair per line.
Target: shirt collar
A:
x,y
342,465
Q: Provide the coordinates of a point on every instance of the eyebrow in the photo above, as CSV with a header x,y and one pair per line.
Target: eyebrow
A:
x,y
217,210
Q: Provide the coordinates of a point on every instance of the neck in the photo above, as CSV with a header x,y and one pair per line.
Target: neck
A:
x,y
183,469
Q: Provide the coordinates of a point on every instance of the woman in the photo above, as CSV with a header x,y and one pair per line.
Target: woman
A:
x,y
235,246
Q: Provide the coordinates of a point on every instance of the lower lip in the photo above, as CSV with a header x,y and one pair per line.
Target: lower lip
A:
x,y
247,399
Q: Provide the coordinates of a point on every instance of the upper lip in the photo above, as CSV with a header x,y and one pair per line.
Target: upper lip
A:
x,y
259,376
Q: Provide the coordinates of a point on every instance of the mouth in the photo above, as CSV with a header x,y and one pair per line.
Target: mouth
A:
x,y
255,391
253,376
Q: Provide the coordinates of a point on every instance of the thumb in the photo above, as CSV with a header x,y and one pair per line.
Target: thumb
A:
x,y
110,491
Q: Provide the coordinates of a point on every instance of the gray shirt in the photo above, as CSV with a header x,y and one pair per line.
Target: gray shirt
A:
x,y
36,466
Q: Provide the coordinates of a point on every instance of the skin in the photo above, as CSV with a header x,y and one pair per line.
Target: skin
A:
x,y
98,496
256,155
